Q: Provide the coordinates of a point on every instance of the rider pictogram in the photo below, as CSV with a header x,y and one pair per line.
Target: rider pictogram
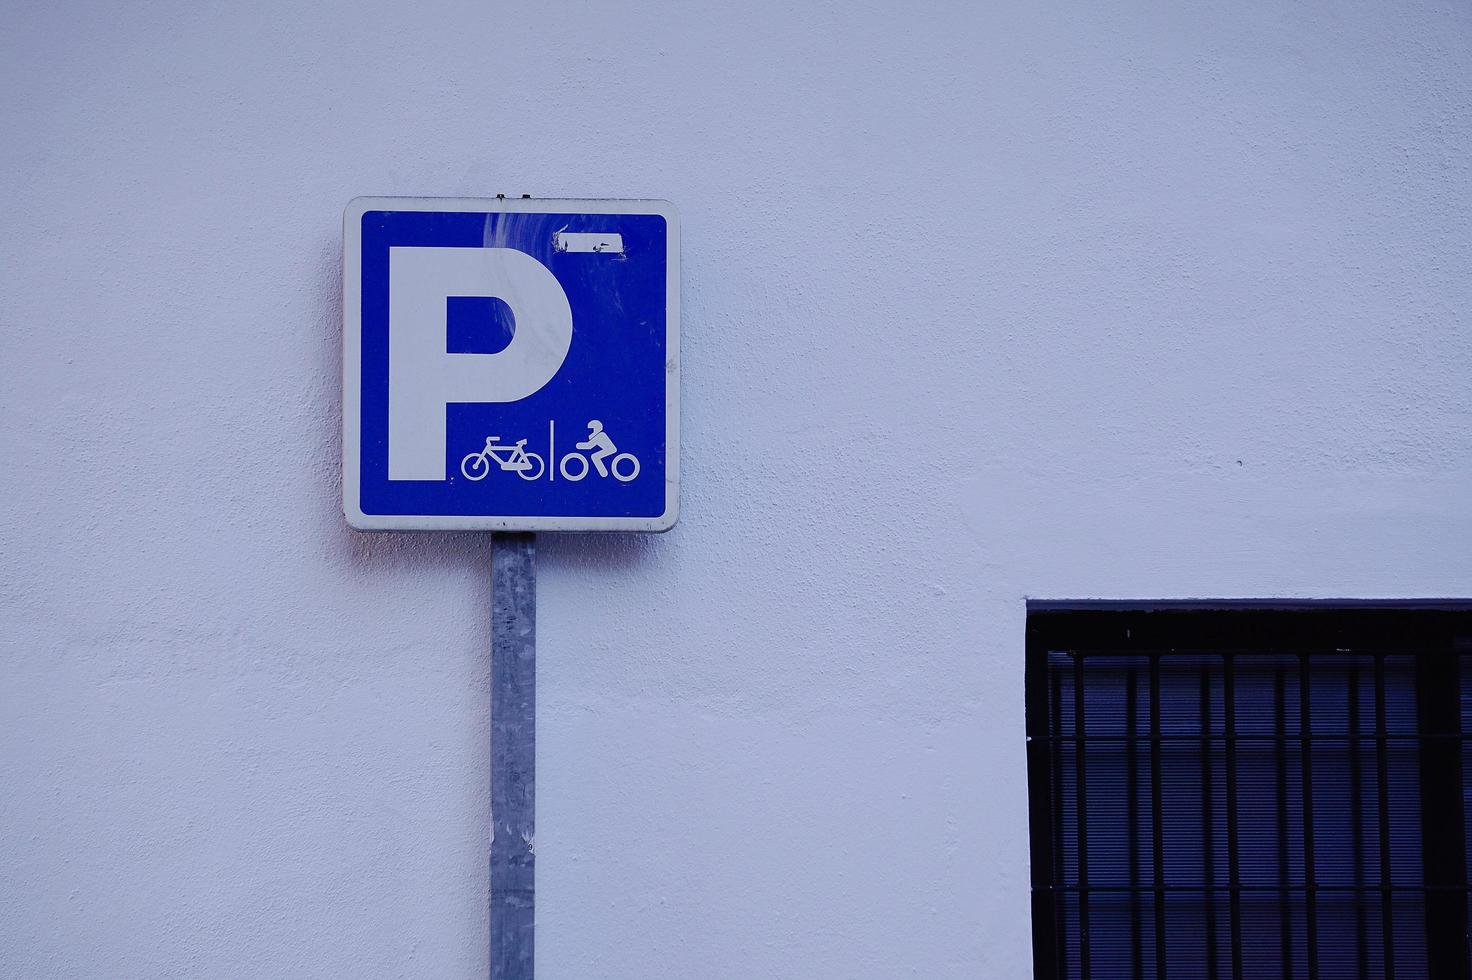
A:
x,y
599,440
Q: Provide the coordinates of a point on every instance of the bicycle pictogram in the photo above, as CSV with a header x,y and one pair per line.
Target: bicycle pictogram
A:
x,y
511,458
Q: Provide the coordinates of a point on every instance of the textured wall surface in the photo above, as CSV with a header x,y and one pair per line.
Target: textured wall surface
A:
x,y
984,301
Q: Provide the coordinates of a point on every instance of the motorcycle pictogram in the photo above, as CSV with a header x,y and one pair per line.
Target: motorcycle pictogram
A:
x,y
574,466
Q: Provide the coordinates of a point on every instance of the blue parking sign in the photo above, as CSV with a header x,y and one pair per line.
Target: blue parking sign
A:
x,y
511,364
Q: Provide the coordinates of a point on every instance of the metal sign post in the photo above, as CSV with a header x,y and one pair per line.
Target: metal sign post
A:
x,y
513,753
511,365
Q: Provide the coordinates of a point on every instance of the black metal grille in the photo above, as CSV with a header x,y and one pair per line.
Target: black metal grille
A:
x,y
1249,792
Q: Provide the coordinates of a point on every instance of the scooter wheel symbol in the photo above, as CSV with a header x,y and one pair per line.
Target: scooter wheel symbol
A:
x,y
624,467
632,469
574,467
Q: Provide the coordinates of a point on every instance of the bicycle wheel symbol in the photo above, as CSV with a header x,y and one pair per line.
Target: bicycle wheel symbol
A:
x,y
475,466
533,468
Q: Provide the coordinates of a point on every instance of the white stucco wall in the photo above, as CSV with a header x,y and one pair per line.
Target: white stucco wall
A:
x,y
982,301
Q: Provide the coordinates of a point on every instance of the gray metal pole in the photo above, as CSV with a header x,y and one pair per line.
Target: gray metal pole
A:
x,y
513,752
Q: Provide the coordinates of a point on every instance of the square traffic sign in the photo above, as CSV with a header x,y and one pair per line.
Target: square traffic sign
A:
x,y
511,364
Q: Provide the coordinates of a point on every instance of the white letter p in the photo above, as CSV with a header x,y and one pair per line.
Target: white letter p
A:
x,y
423,377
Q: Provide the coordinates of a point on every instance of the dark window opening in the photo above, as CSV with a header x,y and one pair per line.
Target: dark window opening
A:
x,y
1249,792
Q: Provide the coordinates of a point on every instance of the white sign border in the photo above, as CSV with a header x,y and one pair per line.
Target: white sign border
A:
x,y
352,374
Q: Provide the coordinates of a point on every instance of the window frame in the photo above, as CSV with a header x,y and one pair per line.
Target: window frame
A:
x,y
1439,631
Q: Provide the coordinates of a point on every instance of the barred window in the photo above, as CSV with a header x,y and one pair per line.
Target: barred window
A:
x,y
1249,792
